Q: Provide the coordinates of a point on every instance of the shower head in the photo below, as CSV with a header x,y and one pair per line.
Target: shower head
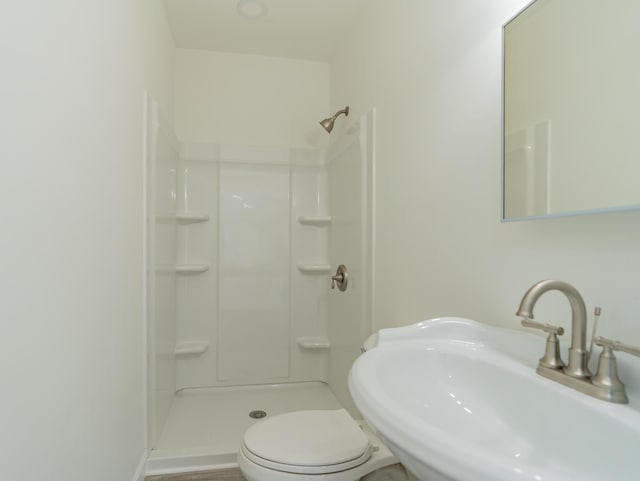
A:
x,y
327,124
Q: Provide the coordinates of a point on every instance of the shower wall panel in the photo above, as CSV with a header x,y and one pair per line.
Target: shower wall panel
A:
x,y
309,246
351,162
198,245
253,324
239,322
161,165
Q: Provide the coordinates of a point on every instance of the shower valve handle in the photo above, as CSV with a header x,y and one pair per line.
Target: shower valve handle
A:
x,y
341,279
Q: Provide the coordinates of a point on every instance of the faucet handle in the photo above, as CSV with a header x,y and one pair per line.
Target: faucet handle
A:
x,y
617,346
607,375
551,358
551,329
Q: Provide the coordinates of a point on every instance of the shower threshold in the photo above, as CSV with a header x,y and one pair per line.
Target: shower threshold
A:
x,y
205,425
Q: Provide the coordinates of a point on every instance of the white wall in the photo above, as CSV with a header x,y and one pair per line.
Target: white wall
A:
x,y
433,71
250,100
71,249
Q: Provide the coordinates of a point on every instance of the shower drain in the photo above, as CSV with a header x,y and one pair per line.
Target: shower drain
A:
x,y
258,414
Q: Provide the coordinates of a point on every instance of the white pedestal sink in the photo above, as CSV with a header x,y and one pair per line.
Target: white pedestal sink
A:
x,y
458,400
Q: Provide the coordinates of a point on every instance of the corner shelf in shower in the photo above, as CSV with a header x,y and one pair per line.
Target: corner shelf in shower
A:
x,y
317,220
185,218
191,348
314,268
314,343
192,268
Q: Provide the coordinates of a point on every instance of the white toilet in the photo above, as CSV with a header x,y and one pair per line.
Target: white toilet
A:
x,y
318,445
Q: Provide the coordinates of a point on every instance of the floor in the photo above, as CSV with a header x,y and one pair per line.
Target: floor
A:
x,y
205,426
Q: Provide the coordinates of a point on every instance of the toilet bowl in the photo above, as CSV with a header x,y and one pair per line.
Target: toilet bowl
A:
x,y
320,445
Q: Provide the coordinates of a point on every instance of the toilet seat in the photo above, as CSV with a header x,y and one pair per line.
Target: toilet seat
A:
x,y
306,469
307,442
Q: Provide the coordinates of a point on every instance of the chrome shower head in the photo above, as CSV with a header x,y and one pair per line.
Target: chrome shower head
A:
x,y
327,124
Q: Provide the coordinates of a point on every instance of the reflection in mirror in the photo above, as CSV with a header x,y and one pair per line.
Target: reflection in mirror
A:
x,y
572,108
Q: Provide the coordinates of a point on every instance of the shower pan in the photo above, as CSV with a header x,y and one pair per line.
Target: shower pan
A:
x,y
241,242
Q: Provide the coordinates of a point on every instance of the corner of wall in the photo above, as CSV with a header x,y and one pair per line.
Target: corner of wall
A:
x,y
139,473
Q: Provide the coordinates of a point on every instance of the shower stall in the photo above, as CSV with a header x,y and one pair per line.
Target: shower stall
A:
x,y
241,244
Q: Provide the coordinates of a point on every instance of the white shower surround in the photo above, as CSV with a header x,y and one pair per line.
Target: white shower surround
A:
x,y
162,151
253,244
228,302
253,303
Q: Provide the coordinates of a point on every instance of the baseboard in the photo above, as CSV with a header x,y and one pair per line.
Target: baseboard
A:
x,y
194,463
142,467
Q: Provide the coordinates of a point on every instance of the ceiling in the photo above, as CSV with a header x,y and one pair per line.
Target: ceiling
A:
x,y
302,29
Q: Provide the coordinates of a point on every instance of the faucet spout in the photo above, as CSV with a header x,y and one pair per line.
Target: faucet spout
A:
x,y
577,366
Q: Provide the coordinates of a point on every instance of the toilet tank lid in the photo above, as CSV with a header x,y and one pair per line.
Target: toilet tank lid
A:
x,y
307,438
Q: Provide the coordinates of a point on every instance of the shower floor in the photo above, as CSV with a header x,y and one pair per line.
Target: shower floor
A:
x,y
205,425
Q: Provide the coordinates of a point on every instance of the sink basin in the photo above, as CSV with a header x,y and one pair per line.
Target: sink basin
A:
x,y
458,400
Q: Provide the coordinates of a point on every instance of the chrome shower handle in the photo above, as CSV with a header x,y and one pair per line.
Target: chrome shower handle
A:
x,y
341,279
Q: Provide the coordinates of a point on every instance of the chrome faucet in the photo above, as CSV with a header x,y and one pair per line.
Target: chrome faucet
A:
x,y
577,366
605,384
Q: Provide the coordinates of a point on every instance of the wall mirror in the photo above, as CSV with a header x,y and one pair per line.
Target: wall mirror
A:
x,y
571,116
